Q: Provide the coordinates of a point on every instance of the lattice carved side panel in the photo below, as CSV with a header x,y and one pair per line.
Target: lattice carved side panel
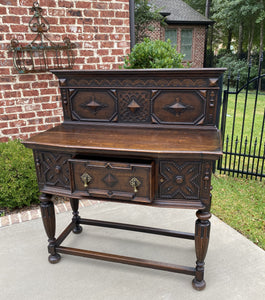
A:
x,y
179,180
53,169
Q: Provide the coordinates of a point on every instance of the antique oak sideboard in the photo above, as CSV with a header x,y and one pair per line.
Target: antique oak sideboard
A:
x,y
146,137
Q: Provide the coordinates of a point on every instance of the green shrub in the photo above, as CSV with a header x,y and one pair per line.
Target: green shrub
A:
x,y
153,55
18,183
236,67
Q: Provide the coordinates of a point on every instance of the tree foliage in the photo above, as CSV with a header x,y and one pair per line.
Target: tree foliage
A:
x,y
145,15
153,54
239,24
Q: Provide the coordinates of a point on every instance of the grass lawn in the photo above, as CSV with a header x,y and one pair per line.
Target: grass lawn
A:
x,y
240,203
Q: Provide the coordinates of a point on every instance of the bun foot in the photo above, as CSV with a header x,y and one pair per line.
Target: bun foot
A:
x,y
78,229
198,285
54,259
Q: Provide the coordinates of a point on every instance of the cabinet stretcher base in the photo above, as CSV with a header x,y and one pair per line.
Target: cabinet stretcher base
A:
x,y
124,259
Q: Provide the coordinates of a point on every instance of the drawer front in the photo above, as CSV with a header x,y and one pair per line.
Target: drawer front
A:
x,y
180,180
112,180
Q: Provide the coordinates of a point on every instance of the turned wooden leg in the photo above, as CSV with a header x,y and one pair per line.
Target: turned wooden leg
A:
x,y
202,235
76,217
48,218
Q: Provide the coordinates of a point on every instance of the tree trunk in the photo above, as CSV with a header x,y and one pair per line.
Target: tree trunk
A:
x,y
250,40
229,39
240,41
261,40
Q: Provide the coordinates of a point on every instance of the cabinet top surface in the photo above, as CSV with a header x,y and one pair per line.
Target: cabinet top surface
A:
x,y
129,140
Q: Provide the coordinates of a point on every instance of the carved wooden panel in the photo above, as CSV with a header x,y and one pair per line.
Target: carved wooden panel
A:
x,y
180,180
93,105
52,169
179,107
112,180
134,105
139,82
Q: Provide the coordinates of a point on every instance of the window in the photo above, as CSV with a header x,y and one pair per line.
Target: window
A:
x,y
186,43
172,35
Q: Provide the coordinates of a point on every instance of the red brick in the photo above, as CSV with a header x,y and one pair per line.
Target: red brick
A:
x,y
8,2
97,5
52,120
14,218
56,12
31,93
6,87
17,123
106,29
108,59
74,13
28,129
21,86
35,121
47,3
8,117
83,21
91,13
83,4
27,115
49,105
44,113
101,22
27,77
44,127
11,20
35,214
24,216
102,52
67,4
122,14
10,131
94,60
3,11
44,76
14,94
107,44
67,21
13,109
4,71
19,28
49,91
3,125
18,11
107,14
39,85
117,52
3,140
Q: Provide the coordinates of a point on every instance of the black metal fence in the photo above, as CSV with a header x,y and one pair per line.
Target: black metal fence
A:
x,y
242,126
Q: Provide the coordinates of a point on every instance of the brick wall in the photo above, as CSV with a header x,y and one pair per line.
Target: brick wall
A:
x,y
30,103
197,44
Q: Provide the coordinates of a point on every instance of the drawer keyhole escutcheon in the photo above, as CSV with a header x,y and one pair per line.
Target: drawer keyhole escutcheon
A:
x,y
135,182
86,178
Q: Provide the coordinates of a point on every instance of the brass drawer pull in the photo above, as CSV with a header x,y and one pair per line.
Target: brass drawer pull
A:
x,y
86,178
134,182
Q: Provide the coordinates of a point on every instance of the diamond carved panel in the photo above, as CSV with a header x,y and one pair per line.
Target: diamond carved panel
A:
x,y
178,107
180,180
134,105
93,105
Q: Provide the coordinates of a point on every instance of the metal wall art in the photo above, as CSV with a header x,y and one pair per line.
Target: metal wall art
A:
x,y
41,54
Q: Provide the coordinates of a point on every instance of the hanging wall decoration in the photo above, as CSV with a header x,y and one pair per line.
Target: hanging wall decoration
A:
x,y
41,55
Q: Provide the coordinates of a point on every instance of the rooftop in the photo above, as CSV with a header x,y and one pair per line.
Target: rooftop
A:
x,y
180,12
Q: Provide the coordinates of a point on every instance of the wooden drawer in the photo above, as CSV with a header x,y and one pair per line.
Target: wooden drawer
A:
x,y
112,180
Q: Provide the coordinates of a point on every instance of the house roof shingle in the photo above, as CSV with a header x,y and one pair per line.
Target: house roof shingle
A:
x,y
180,12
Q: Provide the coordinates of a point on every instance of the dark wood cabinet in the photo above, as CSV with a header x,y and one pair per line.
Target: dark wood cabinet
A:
x,y
146,137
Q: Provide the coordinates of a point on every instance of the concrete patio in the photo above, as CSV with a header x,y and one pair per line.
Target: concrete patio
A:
x,y
235,267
